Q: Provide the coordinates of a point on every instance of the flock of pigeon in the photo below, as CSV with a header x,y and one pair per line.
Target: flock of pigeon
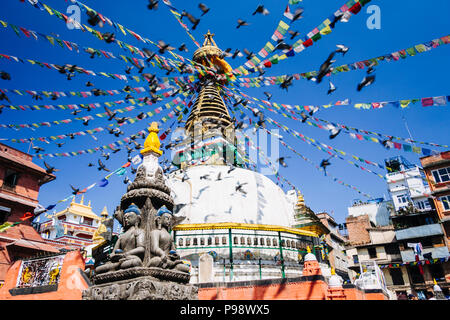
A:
x,y
94,20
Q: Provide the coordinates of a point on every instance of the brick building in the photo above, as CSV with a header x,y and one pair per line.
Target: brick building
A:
x,y
20,181
335,242
437,172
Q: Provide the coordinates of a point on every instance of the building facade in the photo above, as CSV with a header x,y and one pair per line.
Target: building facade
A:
x,y
75,225
20,182
335,242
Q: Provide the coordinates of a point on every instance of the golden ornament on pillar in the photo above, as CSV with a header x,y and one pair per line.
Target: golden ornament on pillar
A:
x,y
152,142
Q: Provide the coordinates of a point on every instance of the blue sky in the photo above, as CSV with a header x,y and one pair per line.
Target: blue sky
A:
x,y
403,24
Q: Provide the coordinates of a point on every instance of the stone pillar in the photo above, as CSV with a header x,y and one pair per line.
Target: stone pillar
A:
x,y
205,268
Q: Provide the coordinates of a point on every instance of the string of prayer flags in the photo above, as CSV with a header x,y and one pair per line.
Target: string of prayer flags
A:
x,y
341,15
175,101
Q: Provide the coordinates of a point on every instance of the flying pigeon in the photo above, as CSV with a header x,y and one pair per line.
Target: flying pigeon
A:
x,y
331,88
241,23
75,112
367,81
297,15
152,5
262,10
183,48
109,37
304,116
204,8
268,95
94,19
75,191
38,149
239,187
50,169
231,168
101,166
333,131
324,165
325,67
293,33
191,18
5,75
60,144
282,162
164,46
286,82
341,48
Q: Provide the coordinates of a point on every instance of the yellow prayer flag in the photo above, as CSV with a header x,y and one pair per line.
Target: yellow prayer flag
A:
x,y
404,103
326,30
49,10
3,23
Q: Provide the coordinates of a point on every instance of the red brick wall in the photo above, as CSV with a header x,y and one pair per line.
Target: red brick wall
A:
x,y
357,229
301,290
304,290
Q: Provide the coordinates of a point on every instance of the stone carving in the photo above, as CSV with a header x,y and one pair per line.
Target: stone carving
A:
x,y
129,249
143,288
162,247
144,264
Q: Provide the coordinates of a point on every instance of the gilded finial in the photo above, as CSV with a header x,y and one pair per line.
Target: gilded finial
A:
x,y
333,272
308,249
152,142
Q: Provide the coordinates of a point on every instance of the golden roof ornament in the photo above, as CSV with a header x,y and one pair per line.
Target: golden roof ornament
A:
x,y
152,142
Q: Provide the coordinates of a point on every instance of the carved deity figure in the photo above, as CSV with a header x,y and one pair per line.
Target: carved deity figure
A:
x,y
163,254
129,249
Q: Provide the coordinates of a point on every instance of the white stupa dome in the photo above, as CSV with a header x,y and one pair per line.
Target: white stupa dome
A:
x,y
209,200
335,281
310,257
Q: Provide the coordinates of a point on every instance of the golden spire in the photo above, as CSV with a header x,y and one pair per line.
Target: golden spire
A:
x,y
152,142
104,212
308,249
333,272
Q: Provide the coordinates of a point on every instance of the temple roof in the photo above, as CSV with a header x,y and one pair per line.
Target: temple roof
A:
x,y
79,209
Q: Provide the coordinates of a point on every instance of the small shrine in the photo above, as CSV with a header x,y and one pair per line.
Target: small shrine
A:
x,y
143,263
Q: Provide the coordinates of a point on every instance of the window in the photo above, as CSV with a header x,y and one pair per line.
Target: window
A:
x,y
261,241
188,242
392,248
224,240
372,253
274,242
202,241
235,240
180,242
242,240
195,242
217,240
11,178
397,277
209,241
249,241
402,198
437,271
355,259
255,241
445,202
87,221
415,275
441,175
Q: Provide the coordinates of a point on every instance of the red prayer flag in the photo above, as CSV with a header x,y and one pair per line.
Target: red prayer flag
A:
x,y
308,43
355,8
426,102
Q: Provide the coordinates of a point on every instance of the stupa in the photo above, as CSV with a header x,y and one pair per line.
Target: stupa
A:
x,y
239,216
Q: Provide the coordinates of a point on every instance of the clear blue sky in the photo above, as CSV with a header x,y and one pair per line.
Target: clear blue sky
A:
x,y
403,24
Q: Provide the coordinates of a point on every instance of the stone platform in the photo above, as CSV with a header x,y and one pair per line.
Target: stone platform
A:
x,y
141,284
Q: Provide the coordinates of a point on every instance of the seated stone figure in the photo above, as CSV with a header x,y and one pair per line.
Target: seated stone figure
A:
x,y
129,249
162,248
